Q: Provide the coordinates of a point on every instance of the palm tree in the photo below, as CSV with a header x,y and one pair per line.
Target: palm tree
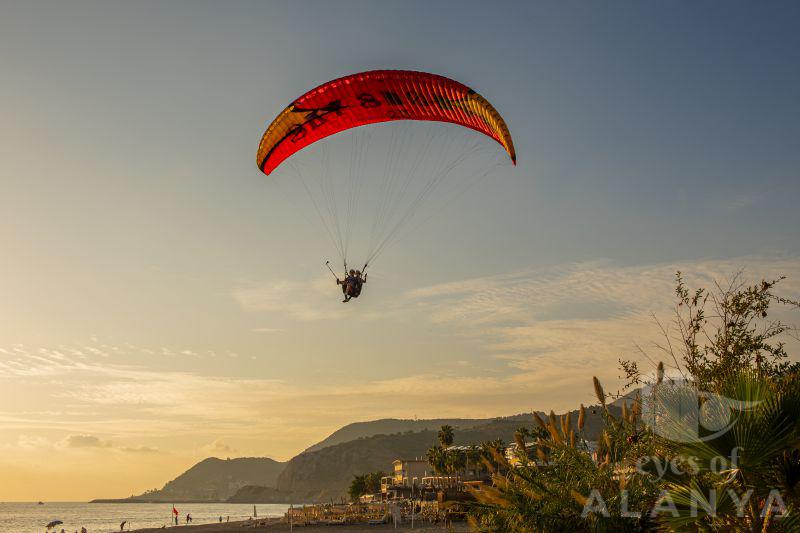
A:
x,y
493,455
454,462
760,452
436,458
520,437
446,436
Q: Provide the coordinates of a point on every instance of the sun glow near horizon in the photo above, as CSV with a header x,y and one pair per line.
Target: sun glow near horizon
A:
x,y
148,413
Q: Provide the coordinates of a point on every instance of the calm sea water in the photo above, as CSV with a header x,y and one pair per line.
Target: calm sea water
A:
x,y
106,517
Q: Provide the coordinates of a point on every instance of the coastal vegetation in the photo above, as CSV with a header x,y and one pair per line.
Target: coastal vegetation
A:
x,y
365,484
708,442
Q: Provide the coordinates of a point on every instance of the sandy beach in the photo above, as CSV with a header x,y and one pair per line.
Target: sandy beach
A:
x,y
277,525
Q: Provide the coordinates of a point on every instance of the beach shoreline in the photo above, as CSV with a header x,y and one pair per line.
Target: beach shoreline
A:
x,y
279,525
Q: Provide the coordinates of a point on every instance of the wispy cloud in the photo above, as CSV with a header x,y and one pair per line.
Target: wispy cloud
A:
x,y
745,198
85,441
139,449
535,339
219,446
76,442
585,314
306,301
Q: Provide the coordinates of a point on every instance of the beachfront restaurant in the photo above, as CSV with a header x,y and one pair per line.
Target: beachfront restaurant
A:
x,y
407,475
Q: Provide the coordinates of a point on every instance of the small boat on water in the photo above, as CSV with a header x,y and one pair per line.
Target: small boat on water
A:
x,y
40,503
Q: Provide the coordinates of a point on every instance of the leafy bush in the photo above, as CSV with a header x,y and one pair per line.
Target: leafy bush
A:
x,y
717,450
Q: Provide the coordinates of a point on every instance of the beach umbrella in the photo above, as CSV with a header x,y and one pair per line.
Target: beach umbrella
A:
x,y
54,523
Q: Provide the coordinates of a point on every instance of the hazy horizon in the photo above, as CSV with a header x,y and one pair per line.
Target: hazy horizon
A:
x,y
162,304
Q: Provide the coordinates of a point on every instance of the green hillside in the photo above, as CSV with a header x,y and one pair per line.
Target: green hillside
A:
x,y
388,426
325,474
215,479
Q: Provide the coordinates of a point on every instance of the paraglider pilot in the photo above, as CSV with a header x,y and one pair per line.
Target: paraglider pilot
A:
x,y
351,285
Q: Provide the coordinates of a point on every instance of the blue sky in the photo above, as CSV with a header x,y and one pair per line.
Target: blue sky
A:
x,y
650,136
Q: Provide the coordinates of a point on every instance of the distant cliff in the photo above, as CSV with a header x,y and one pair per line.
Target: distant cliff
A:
x,y
214,479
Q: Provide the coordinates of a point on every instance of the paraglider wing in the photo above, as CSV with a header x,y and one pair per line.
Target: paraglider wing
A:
x,y
377,96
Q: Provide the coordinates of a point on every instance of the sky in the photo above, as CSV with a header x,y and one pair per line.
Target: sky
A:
x,y
161,301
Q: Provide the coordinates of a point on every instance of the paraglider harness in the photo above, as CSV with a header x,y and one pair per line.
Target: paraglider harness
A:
x,y
355,283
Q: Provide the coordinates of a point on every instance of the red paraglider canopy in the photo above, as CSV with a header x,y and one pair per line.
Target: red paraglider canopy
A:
x,y
377,96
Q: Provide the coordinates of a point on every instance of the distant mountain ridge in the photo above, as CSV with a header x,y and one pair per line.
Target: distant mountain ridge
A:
x,y
213,480
359,430
323,471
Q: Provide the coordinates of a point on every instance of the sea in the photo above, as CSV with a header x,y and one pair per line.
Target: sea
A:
x,y
19,517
